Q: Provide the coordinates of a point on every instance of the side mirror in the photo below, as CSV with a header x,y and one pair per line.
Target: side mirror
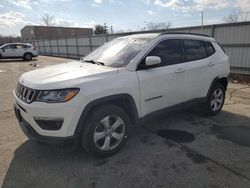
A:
x,y
3,49
152,60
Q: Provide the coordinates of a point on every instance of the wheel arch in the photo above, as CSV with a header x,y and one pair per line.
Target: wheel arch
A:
x,y
221,80
124,101
28,53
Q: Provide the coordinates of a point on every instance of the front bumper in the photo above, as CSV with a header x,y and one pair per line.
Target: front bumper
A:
x,y
70,112
33,135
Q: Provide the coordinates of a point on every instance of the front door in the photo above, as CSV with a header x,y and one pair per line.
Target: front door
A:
x,y
10,51
163,85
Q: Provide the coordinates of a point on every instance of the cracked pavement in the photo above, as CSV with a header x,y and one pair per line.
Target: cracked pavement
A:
x,y
177,149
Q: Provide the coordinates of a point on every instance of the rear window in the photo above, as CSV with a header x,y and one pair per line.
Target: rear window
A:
x,y
209,47
194,50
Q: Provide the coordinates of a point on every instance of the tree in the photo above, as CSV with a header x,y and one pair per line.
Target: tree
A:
x,y
158,26
9,39
100,29
48,20
238,16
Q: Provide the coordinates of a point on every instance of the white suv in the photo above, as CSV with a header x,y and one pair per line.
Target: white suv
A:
x,y
97,100
18,50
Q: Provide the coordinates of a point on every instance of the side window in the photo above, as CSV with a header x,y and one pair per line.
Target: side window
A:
x,y
194,50
11,46
169,51
209,48
25,46
18,46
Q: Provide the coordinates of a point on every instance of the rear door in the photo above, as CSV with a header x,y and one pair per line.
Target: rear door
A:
x,y
199,58
20,50
163,85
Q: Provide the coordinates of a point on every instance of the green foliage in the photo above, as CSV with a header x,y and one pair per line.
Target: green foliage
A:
x,y
100,29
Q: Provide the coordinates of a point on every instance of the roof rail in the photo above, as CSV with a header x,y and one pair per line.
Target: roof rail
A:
x,y
164,33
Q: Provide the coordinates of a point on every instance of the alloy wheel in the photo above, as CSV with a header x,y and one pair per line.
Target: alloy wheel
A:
x,y
109,133
217,99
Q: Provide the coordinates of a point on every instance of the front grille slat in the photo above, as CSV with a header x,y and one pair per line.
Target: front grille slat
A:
x,y
31,95
25,94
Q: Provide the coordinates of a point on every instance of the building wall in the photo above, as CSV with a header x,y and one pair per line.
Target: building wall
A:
x,y
45,32
27,33
235,39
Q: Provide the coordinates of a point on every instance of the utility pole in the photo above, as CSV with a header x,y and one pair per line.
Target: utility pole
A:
x,y
111,29
202,21
105,28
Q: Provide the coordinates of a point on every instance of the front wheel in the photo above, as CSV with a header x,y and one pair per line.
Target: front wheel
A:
x,y
215,100
106,131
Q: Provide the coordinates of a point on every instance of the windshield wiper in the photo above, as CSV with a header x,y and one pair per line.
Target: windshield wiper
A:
x,y
93,62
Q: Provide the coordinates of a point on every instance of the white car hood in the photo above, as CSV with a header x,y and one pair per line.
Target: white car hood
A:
x,y
65,75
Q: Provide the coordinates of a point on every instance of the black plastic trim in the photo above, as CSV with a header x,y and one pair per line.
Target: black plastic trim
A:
x,y
50,125
153,98
175,107
15,57
108,99
184,33
211,86
33,135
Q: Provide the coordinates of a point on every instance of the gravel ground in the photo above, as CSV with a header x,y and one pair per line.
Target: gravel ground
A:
x,y
178,149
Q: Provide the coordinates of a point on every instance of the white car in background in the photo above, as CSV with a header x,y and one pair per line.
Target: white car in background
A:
x,y
18,50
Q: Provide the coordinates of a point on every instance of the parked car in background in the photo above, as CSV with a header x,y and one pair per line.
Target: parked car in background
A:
x,y
18,50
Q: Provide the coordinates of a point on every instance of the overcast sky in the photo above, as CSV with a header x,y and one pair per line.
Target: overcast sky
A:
x,y
122,15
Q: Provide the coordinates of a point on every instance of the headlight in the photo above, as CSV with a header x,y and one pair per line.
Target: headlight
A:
x,y
59,95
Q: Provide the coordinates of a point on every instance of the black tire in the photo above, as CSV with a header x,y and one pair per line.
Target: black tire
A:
x,y
212,107
94,125
28,56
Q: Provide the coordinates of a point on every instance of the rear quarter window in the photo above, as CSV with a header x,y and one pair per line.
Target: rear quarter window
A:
x,y
194,50
209,48
26,46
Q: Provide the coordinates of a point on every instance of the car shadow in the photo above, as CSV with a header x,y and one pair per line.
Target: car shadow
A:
x,y
42,165
15,60
38,165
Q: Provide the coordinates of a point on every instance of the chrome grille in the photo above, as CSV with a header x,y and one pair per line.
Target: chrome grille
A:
x,y
25,94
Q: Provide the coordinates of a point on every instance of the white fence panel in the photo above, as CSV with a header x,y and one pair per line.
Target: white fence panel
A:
x,y
235,38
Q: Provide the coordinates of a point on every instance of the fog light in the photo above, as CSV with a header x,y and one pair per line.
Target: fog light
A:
x,y
49,123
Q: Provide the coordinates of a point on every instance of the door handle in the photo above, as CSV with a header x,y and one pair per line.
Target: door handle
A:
x,y
180,70
211,64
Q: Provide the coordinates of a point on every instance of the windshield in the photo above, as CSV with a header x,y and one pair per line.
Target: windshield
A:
x,y
118,52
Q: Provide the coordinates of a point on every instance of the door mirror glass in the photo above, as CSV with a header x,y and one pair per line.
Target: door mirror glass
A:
x,y
152,60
